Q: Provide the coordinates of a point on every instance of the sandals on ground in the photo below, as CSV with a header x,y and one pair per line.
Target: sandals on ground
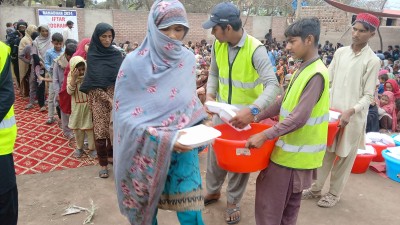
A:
x,y
78,153
328,200
308,194
103,173
209,201
229,212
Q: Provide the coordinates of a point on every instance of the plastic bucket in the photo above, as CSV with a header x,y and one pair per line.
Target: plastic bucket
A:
x,y
362,162
232,155
392,166
379,149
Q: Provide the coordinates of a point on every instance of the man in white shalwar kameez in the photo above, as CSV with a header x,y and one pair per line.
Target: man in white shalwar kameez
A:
x,y
353,74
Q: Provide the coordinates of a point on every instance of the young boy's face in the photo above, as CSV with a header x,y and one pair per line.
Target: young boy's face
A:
x,y
297,47
57,45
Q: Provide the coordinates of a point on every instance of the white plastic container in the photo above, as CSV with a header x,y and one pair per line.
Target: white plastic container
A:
x,y
198,135
225,111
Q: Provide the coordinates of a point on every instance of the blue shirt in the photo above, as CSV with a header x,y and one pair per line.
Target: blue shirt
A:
x,y
51,55
272,58
381,89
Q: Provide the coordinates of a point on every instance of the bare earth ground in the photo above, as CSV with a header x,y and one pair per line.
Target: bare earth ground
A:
x,y
368,200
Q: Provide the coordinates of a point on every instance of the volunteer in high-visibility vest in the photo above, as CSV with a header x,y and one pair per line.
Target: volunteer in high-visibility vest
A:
x,y
302,130
241,74
8,134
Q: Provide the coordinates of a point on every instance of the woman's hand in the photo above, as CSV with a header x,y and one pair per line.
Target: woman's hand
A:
x,y
201,91
178,147
256,141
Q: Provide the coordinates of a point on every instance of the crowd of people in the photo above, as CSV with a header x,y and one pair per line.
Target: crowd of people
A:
x,y
125,104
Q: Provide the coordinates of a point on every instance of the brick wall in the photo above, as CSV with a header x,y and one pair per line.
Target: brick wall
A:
x,y
278,26
129,26
132,26
331,18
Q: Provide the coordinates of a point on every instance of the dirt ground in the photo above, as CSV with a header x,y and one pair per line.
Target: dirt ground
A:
x,y
369,199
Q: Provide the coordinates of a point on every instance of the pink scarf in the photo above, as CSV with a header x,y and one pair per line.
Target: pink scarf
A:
x,y
390,108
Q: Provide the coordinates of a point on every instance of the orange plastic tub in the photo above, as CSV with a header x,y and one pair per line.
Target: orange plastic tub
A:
x,y
379,149
232,155
362,162
332,131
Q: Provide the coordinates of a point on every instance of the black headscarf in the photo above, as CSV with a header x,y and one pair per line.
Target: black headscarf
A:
x,y
102,63
22,23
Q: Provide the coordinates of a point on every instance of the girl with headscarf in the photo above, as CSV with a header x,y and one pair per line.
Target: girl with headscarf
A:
x,y
103,62
391,85
40,46
155,97
387,112
65,98
23,65
80,120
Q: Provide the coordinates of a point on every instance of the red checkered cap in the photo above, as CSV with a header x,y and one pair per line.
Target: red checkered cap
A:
x,y
368,18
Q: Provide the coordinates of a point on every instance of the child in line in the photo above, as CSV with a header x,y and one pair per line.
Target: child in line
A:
x,y
387,112
27,58
80,120
40,46
59,67
51,54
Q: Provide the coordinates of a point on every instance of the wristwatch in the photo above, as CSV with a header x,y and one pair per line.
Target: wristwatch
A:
x,y
254,111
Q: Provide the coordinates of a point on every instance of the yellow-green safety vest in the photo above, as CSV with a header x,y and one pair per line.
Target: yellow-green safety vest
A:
x,y
8,126
239,82
305,147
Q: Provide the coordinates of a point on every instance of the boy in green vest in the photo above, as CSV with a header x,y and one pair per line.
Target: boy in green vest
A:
x,y
302,130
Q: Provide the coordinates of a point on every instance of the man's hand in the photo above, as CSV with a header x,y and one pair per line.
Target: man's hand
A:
x,y
256,141
243,118
345,117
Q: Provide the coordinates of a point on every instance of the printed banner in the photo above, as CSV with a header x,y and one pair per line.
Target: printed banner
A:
x,y
57,20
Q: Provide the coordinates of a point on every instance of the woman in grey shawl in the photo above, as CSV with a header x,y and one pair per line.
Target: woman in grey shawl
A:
x,y
40,46
155,97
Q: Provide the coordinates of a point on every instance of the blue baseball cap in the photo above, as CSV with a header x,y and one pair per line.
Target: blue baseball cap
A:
x,y
223,13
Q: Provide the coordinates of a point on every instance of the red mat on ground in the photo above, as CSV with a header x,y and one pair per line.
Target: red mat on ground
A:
x,y
40,147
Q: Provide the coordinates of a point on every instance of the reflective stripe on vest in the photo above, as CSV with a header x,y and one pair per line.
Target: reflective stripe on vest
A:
x,y
7,123
239,84
304,148
311,121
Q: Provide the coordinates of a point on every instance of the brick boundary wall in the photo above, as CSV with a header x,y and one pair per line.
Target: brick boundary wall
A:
x,y
131,26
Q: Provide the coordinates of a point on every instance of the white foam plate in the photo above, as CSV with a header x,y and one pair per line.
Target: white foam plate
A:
x,y
333,116
227,114
216,107
198,135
